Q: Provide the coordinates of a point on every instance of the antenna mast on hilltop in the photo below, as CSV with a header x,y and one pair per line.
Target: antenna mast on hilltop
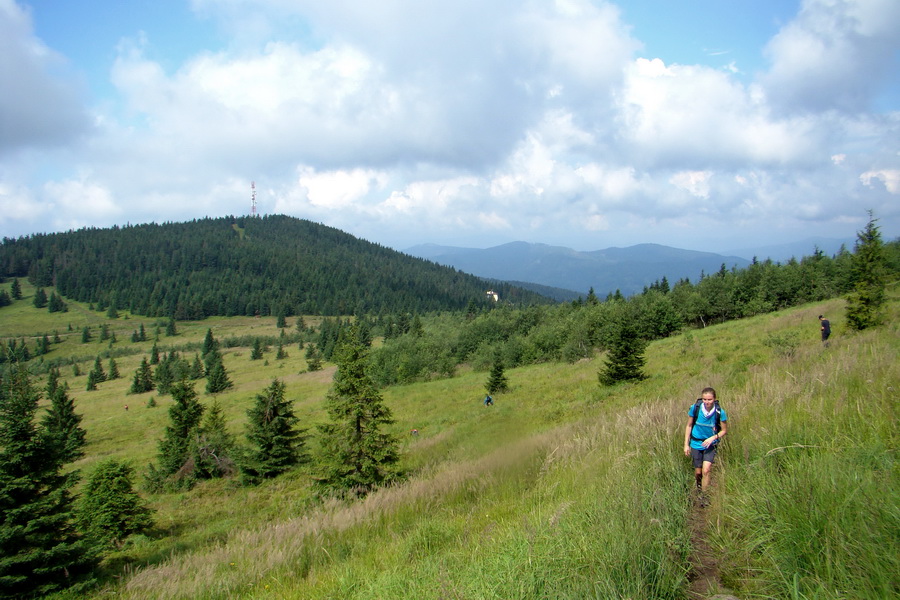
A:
x,y
253,198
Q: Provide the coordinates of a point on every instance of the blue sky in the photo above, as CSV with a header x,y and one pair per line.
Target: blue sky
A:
x,y
703,124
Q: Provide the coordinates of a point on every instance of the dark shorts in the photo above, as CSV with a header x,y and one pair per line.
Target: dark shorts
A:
x,y
701,456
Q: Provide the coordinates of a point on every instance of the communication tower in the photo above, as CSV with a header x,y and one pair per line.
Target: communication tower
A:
x,y
253,198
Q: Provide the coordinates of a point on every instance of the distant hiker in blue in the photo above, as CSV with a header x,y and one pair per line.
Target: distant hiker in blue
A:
x,y
488,401
706,426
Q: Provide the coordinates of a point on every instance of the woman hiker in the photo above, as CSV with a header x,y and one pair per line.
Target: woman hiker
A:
x,y
706,426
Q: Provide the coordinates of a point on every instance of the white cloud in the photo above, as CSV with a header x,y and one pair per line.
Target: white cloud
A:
x,y
682,115
40,105
835,55
695,183
889,177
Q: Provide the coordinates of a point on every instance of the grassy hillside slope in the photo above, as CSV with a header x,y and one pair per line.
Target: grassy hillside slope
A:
x,y
562,489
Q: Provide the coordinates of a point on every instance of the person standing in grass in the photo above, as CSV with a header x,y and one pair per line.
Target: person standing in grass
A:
x,y
706,426
826,329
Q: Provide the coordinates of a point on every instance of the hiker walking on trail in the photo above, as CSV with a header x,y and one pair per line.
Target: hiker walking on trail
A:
x,y
706,426
488,401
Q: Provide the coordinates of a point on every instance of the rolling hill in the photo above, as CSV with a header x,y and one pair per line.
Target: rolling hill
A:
x,y
240,266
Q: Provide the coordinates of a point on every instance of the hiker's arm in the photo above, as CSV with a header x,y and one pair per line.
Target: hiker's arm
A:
x,y
687,437
723,428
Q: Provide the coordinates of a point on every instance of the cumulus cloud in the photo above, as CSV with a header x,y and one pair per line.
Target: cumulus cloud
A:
x,y
835,55
890,178
41,104
688,115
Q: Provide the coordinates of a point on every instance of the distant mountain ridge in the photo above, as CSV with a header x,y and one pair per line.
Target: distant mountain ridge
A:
x,y
628,270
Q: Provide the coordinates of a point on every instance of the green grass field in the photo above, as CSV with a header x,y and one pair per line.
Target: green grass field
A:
x,y
562,489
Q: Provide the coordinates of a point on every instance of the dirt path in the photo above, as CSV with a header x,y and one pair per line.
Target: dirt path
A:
x,y
704,575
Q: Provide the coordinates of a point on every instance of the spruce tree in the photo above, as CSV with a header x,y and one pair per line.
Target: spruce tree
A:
x,y
86,335
109,509
209,343
256,351
56,304
869,275
276,443
97,371
170,328
197,371
164,377
16,289
357,454
91,381
143,378
113,370
213,446
625,361
184,418
40,298
40,551
313,358
62,425
217,378
497,381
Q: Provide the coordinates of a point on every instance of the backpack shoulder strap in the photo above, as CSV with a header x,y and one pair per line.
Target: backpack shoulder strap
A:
x,y
718,413
696,411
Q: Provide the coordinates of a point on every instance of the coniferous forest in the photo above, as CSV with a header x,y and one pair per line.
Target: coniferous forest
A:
x,y
248,266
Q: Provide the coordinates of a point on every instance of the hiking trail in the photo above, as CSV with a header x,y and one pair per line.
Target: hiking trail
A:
x,y
705,583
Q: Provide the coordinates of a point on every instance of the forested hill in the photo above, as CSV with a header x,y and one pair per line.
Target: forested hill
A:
x,y
240,266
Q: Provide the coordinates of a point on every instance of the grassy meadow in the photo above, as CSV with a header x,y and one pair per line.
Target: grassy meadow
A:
x,y
562,489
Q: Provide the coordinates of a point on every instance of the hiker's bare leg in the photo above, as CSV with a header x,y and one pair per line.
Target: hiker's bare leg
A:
x,y
704,482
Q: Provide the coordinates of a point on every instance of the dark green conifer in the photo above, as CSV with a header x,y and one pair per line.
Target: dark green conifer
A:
x,y
113,369
16,289
625,361
109,509
40,551
213,446
56,304
40,298
357,454
276,443
217,378
869,276
97,371
197,371
184,418
62,425
497,381
143,378
256,351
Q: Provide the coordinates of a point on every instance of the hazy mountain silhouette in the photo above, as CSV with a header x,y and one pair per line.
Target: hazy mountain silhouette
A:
x,y
628,270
